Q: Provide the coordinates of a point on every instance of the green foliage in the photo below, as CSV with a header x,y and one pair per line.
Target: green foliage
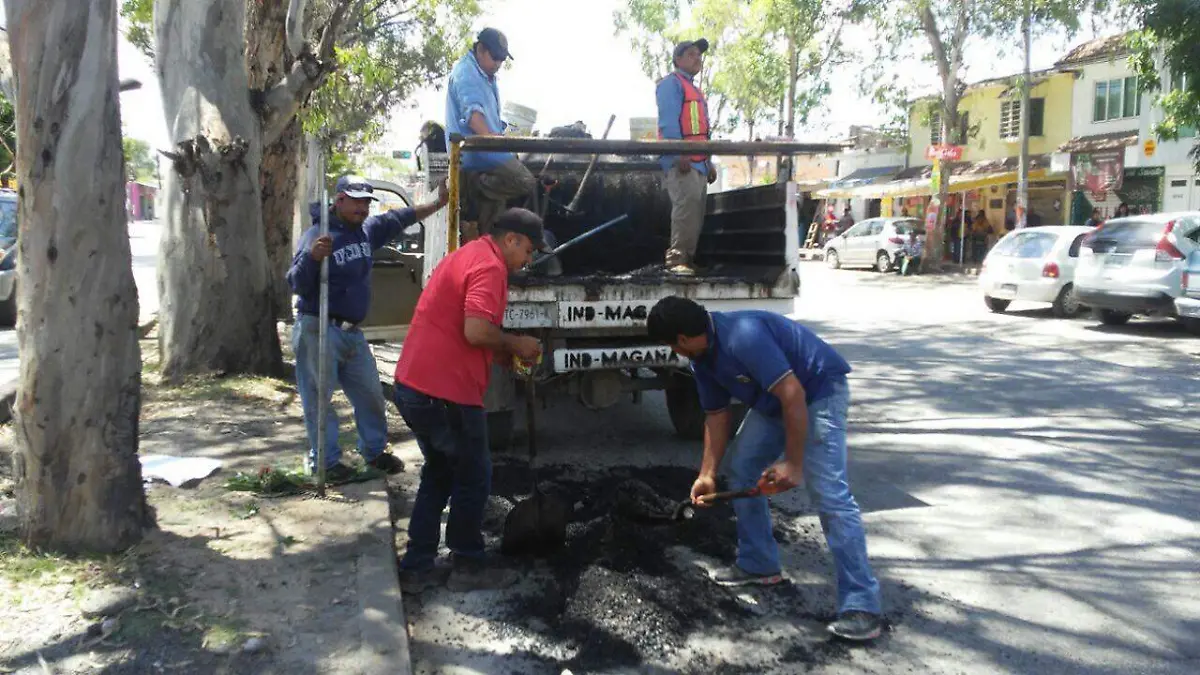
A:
x,y
8,138
1167,39
139,24
139,160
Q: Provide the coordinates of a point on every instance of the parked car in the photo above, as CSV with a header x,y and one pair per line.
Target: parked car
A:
x,y
8,258
1135,265
873,242
1187,305
1034,264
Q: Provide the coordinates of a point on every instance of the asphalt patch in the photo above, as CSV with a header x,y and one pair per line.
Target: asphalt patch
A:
x,y
618,596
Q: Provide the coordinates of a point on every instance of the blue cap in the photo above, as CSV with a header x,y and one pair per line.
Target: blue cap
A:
x,y
356,187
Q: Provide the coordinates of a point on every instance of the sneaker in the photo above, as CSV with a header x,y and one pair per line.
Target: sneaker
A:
x,y
856,625
683,271
736,576
415,582
387,463
470,574
338,473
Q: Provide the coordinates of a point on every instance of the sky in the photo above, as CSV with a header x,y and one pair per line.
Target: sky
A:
x,y
568,65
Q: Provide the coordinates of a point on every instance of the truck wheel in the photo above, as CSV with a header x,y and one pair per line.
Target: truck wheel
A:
x,y
683,405
500,430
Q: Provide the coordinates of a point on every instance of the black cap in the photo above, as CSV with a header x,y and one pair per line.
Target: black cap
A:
x,y
523,221
682,47
496,43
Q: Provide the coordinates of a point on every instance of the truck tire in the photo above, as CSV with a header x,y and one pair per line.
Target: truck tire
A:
x,y
500,430
683,405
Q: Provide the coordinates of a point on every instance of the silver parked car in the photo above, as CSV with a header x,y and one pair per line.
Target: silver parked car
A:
x,y
872,243
1135,265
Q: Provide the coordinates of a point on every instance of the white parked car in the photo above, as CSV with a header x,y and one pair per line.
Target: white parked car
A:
x,y
873,242
1135,265
1034,264
1187,305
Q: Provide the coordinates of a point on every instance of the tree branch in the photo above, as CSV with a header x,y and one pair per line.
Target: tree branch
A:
x,y
295,25
307,74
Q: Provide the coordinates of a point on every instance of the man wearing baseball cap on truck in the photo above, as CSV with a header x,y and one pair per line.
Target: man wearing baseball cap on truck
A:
x,y
683,115
440,381
473,109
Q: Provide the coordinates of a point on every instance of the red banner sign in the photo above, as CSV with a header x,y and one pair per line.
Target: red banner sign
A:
x,y
946,153
1097,172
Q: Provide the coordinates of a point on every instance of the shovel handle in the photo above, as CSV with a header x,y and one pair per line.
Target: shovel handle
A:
x,y
733,494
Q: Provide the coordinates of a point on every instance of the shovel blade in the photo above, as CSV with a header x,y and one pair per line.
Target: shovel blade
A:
x,y
536,526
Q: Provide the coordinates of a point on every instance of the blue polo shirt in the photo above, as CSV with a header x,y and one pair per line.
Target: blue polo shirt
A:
x,y
750,351
473,91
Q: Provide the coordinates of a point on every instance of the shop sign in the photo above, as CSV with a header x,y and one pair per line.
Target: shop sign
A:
x,y
1149,147
1097,172
948,153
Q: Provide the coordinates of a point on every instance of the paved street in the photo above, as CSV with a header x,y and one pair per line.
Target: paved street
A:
x,y
1029,485
143,244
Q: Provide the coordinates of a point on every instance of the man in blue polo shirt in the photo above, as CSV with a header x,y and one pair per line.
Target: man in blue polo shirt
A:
x,y
795,386
473,109
352,238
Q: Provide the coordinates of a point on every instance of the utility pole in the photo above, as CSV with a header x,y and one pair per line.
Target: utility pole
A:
x,y
1023,168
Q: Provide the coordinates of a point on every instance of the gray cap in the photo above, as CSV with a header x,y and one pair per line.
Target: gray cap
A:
x,y
526,222
356,187
495,42
682,47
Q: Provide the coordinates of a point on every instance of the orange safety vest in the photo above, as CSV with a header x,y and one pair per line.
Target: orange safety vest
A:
x,y
693,118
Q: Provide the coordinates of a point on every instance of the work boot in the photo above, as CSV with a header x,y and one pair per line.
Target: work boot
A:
x,y
472,574
387,463
856,625
417,581
338,473
736,576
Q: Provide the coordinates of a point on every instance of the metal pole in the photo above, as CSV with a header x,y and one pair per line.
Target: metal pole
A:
x,y
962,228
323,401
1023,170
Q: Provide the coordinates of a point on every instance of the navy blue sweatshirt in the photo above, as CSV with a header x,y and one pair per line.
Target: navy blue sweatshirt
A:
x,y
349,264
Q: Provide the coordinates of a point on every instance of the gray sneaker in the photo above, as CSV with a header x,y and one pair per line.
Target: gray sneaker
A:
x,y
736,576
415,582
856,625
470,574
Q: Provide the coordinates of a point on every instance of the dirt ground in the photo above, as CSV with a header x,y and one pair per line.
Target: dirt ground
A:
x,y
229,582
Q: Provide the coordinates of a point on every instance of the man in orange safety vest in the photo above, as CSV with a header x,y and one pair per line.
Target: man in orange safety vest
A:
x,y
683,115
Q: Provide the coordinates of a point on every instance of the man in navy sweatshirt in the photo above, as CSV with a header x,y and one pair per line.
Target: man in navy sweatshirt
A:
x,y
352,239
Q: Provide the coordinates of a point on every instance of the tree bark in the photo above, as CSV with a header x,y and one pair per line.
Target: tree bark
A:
x,y
217,315
793,75
268,59
79,482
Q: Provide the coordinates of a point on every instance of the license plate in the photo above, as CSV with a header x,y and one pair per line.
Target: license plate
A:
x,y
566,360
1117,260
602,314
528,315
1006,291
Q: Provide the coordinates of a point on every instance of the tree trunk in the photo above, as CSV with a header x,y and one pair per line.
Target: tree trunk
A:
x,y
793,75
79,482
268,61
213,278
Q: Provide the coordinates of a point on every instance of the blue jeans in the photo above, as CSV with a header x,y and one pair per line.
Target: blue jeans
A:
x,y
458,470
352,365
759,443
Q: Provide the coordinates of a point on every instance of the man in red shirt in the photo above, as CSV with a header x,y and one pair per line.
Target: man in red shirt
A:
x,y
440,382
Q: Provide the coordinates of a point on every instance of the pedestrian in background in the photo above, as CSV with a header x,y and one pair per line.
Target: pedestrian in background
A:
x,y
353,238
1095,220
795,385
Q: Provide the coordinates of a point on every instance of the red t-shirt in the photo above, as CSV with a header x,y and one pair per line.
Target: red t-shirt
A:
x,y
436,358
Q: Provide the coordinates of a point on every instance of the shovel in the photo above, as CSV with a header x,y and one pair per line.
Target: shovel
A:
x,y
536,525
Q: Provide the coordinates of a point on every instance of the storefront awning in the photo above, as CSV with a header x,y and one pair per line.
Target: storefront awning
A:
x,y
1113,141
965,176
842,187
